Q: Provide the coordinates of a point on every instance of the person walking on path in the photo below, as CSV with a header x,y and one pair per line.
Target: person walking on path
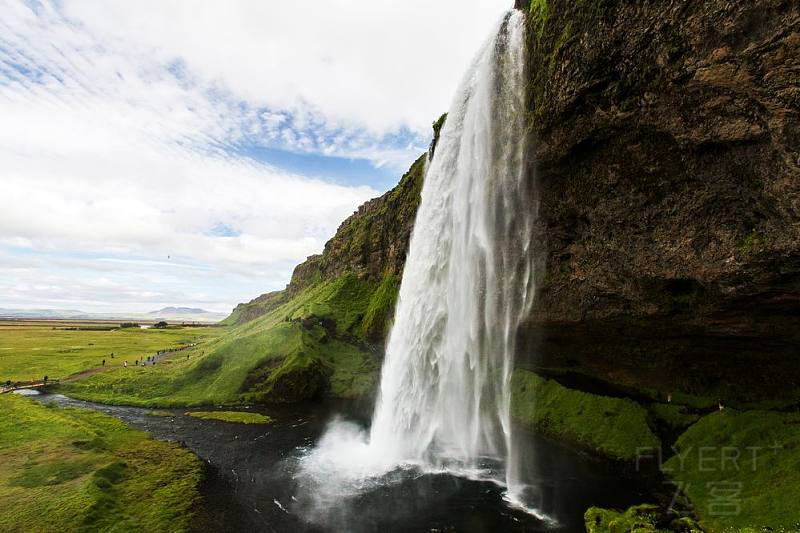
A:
x,y
104,362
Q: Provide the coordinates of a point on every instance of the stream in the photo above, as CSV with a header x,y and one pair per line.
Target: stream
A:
x,y
251,484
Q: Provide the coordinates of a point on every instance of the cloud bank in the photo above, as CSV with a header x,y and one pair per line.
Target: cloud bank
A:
x,y
128,132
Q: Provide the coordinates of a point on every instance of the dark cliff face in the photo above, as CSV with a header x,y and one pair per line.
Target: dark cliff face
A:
x,y
373,241
665,140
666,137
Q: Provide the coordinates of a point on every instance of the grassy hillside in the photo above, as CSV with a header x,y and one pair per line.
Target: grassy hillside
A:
x,y
64,470
319,342
741,469
322,335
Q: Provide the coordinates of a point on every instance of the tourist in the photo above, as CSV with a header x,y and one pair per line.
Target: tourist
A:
x,y
104,362
125,364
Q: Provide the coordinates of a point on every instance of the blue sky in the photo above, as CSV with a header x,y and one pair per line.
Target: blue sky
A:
x,y
191,153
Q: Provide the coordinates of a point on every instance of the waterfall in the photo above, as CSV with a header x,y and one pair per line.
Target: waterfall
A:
x,y
444,397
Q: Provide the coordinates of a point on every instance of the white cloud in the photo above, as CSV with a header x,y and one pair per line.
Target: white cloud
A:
x,y
122,121
379,63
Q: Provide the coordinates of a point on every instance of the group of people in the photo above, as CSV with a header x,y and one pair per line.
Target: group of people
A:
x,y
151,360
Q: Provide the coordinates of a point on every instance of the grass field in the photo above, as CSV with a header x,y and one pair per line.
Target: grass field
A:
x,y
64,470
35,349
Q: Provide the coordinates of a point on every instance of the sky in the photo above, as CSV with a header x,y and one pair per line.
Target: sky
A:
x,y
191,152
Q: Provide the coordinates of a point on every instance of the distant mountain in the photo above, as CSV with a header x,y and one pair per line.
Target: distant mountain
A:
x,y
180,310
186,314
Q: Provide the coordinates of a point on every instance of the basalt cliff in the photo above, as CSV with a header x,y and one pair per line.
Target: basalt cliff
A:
x,y
665,145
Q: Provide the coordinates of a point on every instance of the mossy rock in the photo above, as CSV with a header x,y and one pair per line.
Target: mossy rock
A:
x,y
645,518
613,427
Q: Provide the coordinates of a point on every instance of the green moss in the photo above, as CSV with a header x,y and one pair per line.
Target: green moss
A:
x,y
237,417
65,469
380,309
642,519
614,427
750,242
741,469
539,13
645,518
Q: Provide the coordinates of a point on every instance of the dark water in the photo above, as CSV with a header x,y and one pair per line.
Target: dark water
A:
x,y
251,486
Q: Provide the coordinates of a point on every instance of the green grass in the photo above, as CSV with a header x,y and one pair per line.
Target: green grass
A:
x,y
741,469
232,416
64,470
34,351
614,427
312,344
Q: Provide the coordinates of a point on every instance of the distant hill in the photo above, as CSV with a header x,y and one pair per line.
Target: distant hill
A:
x,y
186,314
180,310
170,314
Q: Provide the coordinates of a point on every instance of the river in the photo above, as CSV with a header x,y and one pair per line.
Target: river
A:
x,y
251,484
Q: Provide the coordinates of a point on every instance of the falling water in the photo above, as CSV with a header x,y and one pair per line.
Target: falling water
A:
x,y
445,387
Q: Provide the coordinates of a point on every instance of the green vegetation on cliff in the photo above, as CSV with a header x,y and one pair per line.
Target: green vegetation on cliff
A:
x,y
614,427
78,470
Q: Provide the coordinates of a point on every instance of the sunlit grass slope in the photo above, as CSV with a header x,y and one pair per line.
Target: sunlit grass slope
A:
x,y
34,351
315,343
741,469
65,470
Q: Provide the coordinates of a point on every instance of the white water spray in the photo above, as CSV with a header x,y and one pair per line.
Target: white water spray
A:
x,y
468,283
